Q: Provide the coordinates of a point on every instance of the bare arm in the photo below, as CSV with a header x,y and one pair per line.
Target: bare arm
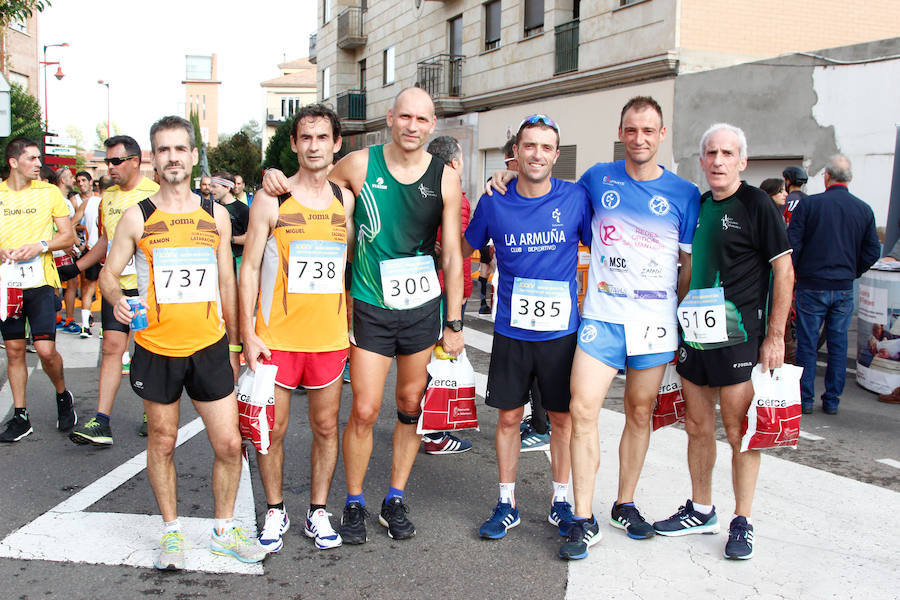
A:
x,y
771,353
128,232
263,216
467,249
498,182
349,207
451,258
227,287
684,274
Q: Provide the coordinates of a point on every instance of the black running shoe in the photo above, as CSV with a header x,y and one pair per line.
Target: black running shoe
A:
x,y
65,413
582,535
393,516
740,539
353,524
94,432
16,428
628,517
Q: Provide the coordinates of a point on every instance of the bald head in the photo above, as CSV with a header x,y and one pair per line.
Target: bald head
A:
x,y
415,95
838,169
411,119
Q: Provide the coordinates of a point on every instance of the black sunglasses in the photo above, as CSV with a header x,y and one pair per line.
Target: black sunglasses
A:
x,y
118,160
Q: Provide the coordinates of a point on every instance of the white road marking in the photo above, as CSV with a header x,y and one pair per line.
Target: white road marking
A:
x,y
889,462
478,340
69,533
811,437
819,363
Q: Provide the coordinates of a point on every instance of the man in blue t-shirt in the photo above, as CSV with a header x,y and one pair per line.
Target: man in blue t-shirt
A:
x,y
536,226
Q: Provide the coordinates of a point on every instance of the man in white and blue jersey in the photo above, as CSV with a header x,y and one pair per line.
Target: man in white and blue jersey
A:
x,y
643,224
536,226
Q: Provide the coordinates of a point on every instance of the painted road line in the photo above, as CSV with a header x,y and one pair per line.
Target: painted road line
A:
x,y
478,340
889,462
811,437
69,533
820,363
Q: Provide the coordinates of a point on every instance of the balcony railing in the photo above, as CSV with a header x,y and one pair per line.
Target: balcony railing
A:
x,y
351,105
441,75
350,28
566,47
312,48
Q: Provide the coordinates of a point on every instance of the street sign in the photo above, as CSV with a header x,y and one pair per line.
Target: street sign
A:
x,y
59,161
58,140
60,150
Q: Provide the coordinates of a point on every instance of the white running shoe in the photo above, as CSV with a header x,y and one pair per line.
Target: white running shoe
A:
x,y
171,552
235,543
277,524
318,526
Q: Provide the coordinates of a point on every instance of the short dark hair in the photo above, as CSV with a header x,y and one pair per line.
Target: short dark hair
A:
x,y
314,111
48,174
508,147
172,122
641,103
84,174
17,146
104,182
445,147
772,186
131,145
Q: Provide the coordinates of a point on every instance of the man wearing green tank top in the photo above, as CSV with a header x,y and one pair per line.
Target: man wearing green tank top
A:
x,y
403,194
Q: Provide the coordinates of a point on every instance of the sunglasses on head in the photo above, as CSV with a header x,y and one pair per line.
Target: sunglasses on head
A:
x,y
118,160
537,119
506,161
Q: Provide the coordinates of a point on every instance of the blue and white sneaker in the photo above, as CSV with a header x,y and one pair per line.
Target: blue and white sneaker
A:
x,y
318,526
687,521
740,539
532,441
503,517
72,327
628,517
277,524
582,535
561,515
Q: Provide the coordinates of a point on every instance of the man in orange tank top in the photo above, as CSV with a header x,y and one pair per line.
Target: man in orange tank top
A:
x,y
186,281
293,275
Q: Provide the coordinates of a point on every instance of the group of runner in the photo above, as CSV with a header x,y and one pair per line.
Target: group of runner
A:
x,y
380,209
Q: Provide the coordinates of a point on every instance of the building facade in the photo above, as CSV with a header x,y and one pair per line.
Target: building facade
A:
x,y
201,94
295,87
19,54
490,63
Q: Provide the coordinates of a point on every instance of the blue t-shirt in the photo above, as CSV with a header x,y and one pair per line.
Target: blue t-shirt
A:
x,y
638,228
536,245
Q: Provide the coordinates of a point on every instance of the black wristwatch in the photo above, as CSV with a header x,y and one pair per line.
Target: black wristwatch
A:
x,y
454,325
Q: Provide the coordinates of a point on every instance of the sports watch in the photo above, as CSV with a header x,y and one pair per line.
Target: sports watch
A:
x,y
45,247
456,325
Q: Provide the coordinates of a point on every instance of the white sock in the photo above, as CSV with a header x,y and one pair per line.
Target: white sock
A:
x,y
85,318
508,493
703,509
749,520
560,492
172,526
126,358
223,525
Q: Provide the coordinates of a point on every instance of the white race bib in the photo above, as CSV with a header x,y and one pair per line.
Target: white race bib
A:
x,y
409,282
186,274
702,316
316,267
129,266
650,338
25,274
540,304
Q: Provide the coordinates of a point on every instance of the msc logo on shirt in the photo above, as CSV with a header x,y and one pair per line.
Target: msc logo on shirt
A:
x,y
610,199
659,205
614,263
379,184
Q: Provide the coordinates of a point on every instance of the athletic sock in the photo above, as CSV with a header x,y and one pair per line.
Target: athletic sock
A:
x,y
103,418
560,491
703,509
279,506
172,526
223,525
356,498
482,282
508,493
126,358
314,507
393,493
85,318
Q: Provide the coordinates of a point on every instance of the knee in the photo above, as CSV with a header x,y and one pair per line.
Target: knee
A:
x,y
509,419
15,355
325,427
638,416
561,422
161,443
582,413
228,448
47,355
364,413
276,435
699,428
113,348
733,433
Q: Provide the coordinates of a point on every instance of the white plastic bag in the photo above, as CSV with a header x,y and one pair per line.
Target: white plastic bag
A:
x,y
449,400
669,407
256,405
773,419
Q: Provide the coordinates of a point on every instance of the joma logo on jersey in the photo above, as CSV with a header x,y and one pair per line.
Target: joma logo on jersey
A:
x,y
9,212
319,217
181,222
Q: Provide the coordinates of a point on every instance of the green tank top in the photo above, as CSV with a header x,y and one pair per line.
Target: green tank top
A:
x,y
393,220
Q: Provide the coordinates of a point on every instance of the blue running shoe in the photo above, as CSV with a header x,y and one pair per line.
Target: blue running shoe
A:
x,y
628,517
740,539
532,441
347,372
72,327
687,521
503,517
582,535
561,516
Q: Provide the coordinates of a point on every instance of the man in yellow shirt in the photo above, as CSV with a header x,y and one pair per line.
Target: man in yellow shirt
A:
x,y
123,157
28,211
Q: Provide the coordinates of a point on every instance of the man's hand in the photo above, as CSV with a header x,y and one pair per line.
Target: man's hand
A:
x,y
771,353
67,272
26,252
122,310
453,342
254,348
498,182
275,183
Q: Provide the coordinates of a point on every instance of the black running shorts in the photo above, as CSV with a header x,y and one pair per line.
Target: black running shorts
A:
x,y
205,375
108,320
516,363
718,367
392,332
39,307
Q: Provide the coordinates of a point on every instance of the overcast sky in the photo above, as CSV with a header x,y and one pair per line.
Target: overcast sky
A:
x,y
140,48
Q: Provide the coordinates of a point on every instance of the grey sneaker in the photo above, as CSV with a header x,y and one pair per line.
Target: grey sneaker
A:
x,y
171,552
235,543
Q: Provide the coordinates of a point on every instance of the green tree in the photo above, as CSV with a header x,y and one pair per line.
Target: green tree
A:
x,y
19,10
278,153
101,130
198,142
25,118
238,155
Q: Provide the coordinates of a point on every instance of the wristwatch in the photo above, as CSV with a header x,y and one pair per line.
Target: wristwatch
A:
x,y
456,325
45,247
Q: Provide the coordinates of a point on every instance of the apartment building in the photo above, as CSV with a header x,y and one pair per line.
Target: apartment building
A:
x,y
201,94
490,63
295,87
19,53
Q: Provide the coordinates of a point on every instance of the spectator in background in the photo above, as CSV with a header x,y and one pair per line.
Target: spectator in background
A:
x,y
239,190
774,187
204,191
221,188
66,182
834,240
794,180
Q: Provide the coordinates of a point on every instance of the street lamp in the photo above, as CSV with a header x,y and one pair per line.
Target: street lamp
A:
x,y
59,75
106,83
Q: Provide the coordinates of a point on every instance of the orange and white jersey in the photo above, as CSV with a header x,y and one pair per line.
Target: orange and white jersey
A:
x,y
302,306
178,277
